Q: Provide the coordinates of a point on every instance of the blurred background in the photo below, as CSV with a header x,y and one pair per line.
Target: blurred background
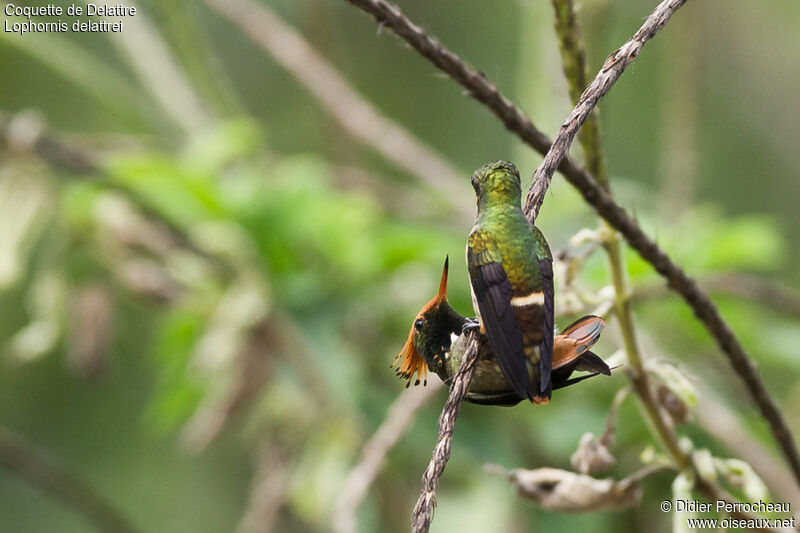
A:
x,y
217,226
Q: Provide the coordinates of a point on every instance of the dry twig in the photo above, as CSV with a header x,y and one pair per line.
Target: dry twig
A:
x,y
339,99
720,421
37,468
398,418
269,489
422,514
252,370
515,120
757,289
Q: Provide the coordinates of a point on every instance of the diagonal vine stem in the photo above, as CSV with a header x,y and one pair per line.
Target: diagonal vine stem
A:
x,y
422,514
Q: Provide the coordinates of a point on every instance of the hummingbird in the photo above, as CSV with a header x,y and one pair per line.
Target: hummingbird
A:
x,y
511,275
435,343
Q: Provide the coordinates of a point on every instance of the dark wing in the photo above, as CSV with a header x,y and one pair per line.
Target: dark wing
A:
x,y
493,293
590,362
566,383
546,361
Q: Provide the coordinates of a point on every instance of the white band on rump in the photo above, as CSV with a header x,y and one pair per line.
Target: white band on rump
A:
x,y
530,299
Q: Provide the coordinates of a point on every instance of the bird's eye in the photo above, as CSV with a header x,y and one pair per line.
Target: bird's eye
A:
x,y
418,323
475,183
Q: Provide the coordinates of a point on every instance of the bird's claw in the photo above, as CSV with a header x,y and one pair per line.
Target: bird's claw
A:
x,y
470,325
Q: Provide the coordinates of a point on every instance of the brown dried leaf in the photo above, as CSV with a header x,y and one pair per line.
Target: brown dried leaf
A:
x,y
566,491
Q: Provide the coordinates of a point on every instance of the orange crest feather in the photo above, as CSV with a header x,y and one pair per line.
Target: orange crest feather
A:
x,y
411,362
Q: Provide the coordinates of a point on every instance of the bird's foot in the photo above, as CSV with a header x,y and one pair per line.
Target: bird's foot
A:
x,y
471,324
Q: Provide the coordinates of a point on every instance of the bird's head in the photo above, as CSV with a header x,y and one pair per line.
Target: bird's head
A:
x,y
429,337
497,183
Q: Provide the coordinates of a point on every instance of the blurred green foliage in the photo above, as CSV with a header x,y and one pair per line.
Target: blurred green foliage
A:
x,y
316,254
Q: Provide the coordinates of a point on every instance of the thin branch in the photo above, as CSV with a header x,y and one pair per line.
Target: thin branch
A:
x,y
768,293
715,493
252,370
273,336
760,290
515,120
720,421
40,470
422,514
399,417
612,69
337,97
269,490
